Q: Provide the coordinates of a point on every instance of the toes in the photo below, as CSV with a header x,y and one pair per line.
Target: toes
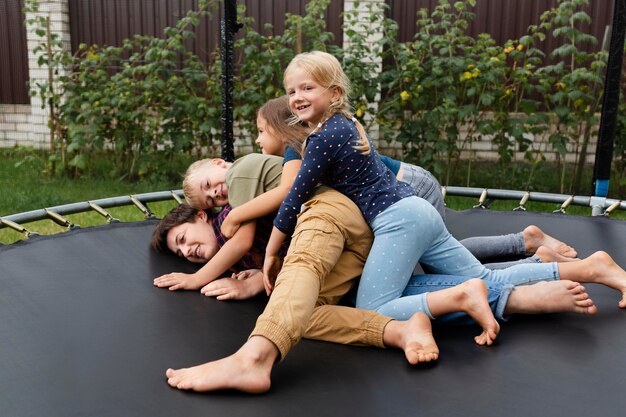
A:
x,y
578,289
484,339
581,296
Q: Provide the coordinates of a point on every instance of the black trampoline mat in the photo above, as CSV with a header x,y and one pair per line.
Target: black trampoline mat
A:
x,y
83,332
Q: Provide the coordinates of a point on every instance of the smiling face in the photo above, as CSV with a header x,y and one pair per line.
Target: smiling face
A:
x,y
194,241
267,141
308,100
207,187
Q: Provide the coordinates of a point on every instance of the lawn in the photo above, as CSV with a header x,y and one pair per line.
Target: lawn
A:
x,y
26,186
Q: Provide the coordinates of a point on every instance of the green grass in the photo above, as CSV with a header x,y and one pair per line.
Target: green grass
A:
x,y
27,187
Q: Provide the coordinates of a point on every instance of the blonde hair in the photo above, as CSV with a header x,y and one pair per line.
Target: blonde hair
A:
x,y
190,175
277,115
326,71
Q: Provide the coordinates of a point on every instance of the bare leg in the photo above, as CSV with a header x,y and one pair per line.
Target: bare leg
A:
x,y
550,255
550,297
534,237
414,336
598,268
469,297
246,370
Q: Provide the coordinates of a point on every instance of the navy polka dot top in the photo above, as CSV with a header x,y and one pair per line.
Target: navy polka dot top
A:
x,y
330,158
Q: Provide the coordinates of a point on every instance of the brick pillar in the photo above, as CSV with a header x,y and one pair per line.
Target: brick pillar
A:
x,y
364,8
38,133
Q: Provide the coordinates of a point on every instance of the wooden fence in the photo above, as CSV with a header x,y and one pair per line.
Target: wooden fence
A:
x,y
109,22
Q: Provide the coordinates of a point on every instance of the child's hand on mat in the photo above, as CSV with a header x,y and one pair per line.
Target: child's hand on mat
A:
x,y
179,281
234,289
271,268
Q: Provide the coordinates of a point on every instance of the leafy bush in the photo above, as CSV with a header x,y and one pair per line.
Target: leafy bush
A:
x,y
145,102
436,95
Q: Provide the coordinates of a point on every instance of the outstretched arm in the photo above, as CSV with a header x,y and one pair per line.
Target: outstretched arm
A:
x,y
233,250
263,204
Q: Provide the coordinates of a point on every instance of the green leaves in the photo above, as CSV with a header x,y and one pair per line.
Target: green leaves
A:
x,y
436,94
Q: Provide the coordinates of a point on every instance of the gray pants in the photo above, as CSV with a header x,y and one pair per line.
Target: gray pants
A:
x,y
483,248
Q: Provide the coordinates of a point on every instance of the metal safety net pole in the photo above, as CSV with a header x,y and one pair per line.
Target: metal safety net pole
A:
x,y
228,28
610,102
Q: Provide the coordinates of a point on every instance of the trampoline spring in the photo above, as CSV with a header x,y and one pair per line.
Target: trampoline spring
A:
x,y
612,207
565,205
178,199
144,209
17,227
58,219
523,202
103,213
481,200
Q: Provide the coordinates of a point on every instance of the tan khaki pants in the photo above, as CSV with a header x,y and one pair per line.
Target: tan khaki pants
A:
x,y
326,255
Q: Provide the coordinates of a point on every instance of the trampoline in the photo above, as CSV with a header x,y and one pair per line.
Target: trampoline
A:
x,y
85,333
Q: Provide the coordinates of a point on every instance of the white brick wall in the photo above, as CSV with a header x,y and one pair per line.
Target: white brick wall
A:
x,y
27,125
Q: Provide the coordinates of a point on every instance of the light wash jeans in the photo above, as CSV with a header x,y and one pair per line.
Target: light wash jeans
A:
x,y
482,247
412,231
498,296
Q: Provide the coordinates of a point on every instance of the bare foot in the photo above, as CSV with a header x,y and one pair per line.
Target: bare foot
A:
x,y
598,268
550,297
535,238
247,370
416,339
473,301
547,254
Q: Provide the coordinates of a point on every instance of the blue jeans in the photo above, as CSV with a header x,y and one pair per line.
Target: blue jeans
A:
x,y
418,285
412,231
483,248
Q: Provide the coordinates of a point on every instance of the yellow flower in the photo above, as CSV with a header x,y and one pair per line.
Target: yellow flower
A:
x,y
359,113
470,66
92,52
520,47
466,76
494,59
405,95
508,49
559,85
507,92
